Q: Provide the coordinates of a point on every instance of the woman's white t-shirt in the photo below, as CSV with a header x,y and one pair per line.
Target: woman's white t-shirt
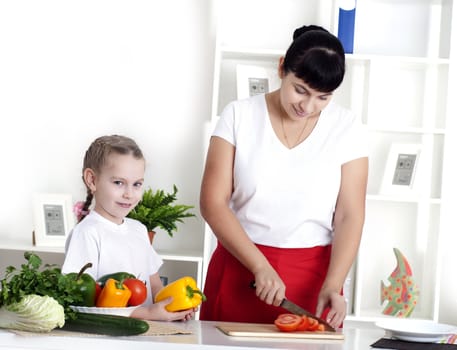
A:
x,y
286,197
111,248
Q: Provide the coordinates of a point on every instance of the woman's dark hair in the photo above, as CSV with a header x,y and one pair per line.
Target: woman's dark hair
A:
x,y
317,57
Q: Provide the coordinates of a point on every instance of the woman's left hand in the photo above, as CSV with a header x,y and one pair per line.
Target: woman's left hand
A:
x,y
337,304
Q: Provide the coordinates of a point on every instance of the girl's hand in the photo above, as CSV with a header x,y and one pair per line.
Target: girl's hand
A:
x,y
337,304
269,287
157,312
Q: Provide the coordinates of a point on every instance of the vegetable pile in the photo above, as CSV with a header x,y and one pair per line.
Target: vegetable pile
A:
x,y
36,298
39,298
291,323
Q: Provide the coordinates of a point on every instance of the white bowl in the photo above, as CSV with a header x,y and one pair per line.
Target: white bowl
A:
x,y
120,311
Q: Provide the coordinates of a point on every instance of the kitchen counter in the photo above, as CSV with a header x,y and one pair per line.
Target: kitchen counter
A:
x,y
205,335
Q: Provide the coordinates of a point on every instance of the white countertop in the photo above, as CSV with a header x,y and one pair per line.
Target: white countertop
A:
x,y
204,336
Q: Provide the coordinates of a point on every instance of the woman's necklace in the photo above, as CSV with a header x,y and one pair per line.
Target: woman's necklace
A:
x,y
299,136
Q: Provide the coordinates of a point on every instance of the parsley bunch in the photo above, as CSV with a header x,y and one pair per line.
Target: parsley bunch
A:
x,y
34,279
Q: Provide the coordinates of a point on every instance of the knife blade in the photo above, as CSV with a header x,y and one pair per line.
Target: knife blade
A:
x,y
297,310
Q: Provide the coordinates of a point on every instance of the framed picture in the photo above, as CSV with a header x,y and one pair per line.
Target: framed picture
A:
x,y
401,167
53,219
254,80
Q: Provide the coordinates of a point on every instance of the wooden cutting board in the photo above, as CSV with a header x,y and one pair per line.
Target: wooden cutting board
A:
x,y
270,330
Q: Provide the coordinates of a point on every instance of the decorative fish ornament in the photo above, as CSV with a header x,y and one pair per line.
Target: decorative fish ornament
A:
x,y
403,293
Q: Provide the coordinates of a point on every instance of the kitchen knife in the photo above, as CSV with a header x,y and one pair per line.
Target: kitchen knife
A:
x,y
297,310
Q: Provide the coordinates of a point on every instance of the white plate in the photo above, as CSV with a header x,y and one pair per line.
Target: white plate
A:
x,y
120,311
424,331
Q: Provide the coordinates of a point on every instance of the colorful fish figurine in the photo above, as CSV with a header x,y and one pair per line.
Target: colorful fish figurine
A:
x,y
403,293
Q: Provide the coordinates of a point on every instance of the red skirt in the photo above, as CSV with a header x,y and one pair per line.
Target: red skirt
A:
x,y
228,292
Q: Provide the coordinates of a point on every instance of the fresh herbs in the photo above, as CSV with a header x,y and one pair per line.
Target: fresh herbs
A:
x,y
32,278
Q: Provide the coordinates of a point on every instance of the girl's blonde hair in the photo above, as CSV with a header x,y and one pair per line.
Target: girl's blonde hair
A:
x,y
97,155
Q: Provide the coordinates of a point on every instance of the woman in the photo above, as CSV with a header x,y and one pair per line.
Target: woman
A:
x,y
284,192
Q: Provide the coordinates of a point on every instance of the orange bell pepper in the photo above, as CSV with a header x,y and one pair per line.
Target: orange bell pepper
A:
x,y
185,293
114,294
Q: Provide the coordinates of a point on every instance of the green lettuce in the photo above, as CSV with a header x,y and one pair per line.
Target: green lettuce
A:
x,y
34,313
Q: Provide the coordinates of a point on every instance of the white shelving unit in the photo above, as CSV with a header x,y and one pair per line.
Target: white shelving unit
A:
x,y
398,82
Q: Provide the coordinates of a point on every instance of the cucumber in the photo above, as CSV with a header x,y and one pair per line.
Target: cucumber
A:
x,y
105,324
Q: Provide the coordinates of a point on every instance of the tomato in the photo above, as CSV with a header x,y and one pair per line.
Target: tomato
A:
x,y
288,322
138,289
320,327
98,289
304,324
313,324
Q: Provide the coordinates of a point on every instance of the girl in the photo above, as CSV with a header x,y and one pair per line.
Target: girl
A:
x,y
113,172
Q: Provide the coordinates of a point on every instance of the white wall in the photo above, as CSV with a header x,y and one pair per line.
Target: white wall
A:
x,y
73,70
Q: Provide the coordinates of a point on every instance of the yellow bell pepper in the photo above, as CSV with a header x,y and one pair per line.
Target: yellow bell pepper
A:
x,y
114,294
185,293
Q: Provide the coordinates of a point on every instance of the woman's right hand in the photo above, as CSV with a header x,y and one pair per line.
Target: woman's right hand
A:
x,y
269,287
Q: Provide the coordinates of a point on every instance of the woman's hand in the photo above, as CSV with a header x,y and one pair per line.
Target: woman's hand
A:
x,y
157,312
337,304
269,287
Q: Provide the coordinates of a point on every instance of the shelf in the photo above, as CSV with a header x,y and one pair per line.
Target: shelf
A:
x,y
375,315
404,199
191,256
184,256
375,318
397,59
30,247
248,53
408,130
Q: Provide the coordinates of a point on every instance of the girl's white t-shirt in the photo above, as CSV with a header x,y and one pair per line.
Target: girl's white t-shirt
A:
x,y
111,248
286,197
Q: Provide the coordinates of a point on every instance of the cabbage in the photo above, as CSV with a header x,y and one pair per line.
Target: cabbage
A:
x,y
33,313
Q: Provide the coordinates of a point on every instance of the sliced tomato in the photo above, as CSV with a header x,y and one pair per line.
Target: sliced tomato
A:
x,y
288,322
304,324
313,324
320,327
